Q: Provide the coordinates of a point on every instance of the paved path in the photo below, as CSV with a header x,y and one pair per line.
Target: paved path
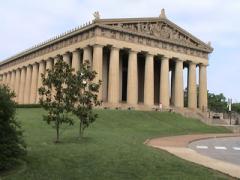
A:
x,y
178,145
226,149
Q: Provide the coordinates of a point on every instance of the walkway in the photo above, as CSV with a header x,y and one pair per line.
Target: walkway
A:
x,y
178,145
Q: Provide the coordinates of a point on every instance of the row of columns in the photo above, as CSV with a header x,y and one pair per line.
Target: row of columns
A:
x,y
25,81
177,93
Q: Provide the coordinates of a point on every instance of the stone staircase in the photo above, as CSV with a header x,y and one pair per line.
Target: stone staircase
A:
x,y
197,114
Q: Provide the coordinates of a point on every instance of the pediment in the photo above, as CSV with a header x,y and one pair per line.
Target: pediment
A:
x,y
159,28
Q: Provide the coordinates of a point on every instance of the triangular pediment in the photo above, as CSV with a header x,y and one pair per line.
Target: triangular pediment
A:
x,y
160,28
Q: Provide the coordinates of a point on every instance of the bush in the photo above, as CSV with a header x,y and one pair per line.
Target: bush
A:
x,y
12,146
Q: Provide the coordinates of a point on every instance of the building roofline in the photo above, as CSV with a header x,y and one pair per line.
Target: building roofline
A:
x,y
101,23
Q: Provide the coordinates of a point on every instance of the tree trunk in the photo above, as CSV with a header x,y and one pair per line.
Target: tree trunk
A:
x,y
57,128
81,130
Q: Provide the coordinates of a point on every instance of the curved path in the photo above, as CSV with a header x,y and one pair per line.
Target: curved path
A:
x,y
225,149
178,145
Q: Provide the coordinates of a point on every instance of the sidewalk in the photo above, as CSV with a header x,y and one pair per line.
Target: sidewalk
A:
x,y
177,145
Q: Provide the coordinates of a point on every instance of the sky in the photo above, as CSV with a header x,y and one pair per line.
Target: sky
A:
x,y
26,23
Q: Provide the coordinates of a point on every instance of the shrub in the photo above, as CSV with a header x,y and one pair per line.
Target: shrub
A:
x,y
12,146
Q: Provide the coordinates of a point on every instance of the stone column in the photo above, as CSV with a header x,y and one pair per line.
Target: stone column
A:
x,y
132,80
1,79
97,66
192,89
34,84
17,83
49,64
66,59
120,76
22,85
27,89
105,77
87,55
178,87
113,86
76,63
203,87
41,70
149,80
4,78
13,76
56,59
164,82
8,79
172,86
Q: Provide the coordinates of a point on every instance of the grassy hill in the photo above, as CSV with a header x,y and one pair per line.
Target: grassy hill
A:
x,y
112,148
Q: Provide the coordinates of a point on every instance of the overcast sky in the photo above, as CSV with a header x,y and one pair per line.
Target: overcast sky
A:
x,y
25,23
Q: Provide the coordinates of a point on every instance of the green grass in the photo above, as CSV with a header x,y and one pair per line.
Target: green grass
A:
x,y
112,148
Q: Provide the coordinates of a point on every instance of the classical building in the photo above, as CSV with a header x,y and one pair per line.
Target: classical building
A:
x,y
139,60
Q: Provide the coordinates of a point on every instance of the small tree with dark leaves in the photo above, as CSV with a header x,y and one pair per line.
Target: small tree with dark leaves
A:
x,y
85,89
55,97
12,146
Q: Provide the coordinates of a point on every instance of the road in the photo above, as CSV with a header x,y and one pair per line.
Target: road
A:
x,y
225,149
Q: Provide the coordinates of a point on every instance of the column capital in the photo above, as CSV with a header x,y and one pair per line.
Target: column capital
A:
x,y
49,59
36,63
98,45
75,51
86,47
23,67
177,60
114,48
57,56
40,62
150,54
165,57
202,65
133,51
67,53
192,63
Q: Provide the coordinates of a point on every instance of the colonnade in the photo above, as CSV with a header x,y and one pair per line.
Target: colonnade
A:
x,y
26,80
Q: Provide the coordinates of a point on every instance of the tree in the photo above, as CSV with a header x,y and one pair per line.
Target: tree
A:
x,y
12,146
236,107
55,96
217,102
85,90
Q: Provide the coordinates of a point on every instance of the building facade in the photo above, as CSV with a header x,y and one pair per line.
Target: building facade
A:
x,y
139,60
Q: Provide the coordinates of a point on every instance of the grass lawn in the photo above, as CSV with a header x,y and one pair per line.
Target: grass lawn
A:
x,y
112,148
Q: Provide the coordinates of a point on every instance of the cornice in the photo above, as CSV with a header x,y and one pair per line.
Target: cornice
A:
x,y
103,23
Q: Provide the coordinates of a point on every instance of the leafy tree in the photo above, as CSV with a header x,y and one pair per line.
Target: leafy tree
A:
x,y
55,96
12,146
217,102
236,107
85,90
